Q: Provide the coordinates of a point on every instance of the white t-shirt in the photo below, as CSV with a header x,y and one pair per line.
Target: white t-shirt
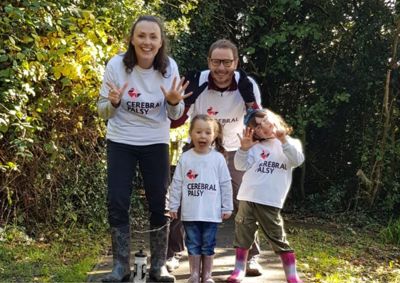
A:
x,y
201,186
141,118
227,107
269,166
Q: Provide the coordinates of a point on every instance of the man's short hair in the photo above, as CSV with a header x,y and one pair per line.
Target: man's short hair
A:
x,y
224,44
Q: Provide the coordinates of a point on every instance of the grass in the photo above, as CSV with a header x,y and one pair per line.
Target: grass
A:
x,y
326,253
331,253
65,258
392,231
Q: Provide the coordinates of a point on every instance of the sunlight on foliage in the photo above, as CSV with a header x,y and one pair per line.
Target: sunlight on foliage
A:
x,y
52,68
178,138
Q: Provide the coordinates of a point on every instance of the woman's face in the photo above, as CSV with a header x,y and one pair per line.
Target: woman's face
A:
x,y
147,41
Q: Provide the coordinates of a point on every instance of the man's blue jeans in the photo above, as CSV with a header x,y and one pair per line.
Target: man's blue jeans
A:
x,y
200,237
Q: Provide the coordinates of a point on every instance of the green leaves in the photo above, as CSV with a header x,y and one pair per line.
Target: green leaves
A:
x,y
52,59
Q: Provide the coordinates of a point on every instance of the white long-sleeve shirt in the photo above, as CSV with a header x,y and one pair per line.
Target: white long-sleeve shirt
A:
x,y
228,107
268,165
142,116
201,186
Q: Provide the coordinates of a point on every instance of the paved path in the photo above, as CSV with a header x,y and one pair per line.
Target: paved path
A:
x,y
223,262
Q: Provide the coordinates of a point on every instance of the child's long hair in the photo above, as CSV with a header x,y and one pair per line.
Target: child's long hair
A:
x,y
276,119
218,140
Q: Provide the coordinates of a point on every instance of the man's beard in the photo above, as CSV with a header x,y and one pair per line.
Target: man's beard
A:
x,y
225,82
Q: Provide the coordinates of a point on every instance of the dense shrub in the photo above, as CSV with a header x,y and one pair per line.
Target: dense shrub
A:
x,y
52,57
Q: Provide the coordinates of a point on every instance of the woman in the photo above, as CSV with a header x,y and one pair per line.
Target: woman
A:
x,y
140,91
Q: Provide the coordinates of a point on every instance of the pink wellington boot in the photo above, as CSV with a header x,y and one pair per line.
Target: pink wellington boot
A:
x,y
240,266
289,265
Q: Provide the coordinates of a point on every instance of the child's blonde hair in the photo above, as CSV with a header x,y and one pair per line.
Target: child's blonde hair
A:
x,y
217,127
274,118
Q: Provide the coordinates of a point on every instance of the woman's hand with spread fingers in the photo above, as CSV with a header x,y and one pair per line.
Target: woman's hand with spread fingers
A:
x,y
174,94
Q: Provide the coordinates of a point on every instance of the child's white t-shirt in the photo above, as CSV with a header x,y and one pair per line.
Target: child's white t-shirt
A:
x,y
201,186
269,166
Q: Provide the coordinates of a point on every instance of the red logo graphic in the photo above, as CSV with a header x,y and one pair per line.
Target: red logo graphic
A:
x,y
191,175
264,155
132,93
211,112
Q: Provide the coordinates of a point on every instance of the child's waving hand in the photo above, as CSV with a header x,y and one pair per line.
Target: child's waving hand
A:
x,y
246,142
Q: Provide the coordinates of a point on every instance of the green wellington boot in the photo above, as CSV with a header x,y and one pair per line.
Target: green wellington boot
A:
x,y
121,250
158,249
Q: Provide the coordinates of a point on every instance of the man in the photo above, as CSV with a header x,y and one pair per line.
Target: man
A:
x,y
225,94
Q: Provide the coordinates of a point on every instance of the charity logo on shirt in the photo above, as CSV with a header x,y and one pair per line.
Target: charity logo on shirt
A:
x,y
211,111
133,93
197,189
140,107
268,167
264,155
191,174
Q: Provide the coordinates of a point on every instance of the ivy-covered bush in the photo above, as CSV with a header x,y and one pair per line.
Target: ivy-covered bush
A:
x,y
52,58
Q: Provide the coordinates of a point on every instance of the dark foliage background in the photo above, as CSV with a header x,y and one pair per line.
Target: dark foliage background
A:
x,y
324,65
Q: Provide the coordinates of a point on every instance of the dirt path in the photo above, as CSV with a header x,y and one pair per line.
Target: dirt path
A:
x,y
223,263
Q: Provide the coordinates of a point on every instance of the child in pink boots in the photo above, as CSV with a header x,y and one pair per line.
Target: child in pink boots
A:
x,y
268,155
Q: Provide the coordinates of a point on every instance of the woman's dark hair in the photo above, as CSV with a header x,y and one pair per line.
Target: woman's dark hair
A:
x,y
161,61
218,140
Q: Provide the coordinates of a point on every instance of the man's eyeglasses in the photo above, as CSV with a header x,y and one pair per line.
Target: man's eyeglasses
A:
x,y
225,62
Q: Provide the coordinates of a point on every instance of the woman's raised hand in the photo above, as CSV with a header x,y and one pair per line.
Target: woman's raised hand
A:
x,y
115,93
246,142
174,95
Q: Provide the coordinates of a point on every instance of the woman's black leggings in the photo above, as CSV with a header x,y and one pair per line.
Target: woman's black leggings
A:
x,y
154,166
